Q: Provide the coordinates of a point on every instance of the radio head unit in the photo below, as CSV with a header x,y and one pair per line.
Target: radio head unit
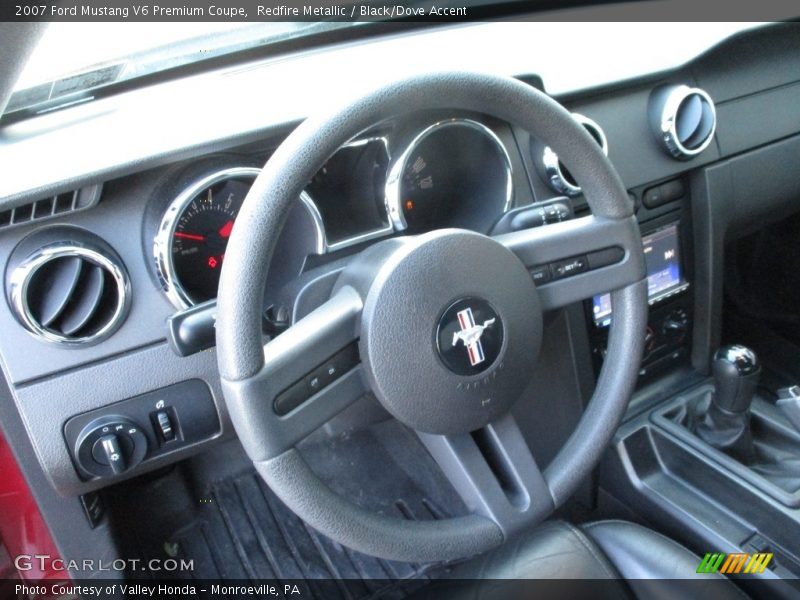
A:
x,y
664,275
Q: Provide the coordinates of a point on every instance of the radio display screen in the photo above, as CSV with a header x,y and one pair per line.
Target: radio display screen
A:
x,y
664,277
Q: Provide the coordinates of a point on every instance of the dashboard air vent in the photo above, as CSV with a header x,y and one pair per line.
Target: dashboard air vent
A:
x,y
683,119
558,175
70,293
52,206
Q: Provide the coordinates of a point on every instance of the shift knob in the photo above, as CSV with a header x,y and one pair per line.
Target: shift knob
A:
x,y
736,372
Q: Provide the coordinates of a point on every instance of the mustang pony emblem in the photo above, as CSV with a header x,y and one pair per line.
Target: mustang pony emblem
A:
x,y
470,334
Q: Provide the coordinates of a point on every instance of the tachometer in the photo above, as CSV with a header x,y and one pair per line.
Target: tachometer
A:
x,y
201,236
194,232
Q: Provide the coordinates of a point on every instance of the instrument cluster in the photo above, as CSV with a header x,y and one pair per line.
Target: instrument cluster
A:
x,y
450,173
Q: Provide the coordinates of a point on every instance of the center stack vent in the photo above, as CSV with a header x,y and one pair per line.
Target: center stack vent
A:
x,y
683,119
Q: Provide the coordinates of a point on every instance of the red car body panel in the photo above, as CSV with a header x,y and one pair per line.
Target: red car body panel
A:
x,y
22,528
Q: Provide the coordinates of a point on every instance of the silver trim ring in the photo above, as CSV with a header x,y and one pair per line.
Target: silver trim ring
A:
x,y
22,275
394,181
162,243
553,168
668,123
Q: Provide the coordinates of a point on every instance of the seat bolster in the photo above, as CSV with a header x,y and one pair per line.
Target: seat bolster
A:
x,y
557,559
554,550
646,559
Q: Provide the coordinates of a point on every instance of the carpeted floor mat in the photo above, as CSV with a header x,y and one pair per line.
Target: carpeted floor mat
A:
x,y
239,530
247,533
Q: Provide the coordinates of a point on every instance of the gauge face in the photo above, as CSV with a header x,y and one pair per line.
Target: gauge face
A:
x,y
419,188
193,236
454,174
201,236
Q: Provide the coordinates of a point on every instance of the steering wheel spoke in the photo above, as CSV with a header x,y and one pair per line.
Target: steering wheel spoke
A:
x,y
579,258
494,472
310,374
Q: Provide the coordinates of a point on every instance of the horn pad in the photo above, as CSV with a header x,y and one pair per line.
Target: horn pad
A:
x,y
450,331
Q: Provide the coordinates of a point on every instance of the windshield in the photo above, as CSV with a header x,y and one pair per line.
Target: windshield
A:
x,y
73,58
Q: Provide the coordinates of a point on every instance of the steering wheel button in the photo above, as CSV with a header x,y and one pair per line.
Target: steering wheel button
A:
x,y
322,376
315,382
291,398
569,267
540,275
604,258
345,359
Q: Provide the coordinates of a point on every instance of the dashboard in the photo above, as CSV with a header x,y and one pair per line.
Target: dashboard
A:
x,y
99,260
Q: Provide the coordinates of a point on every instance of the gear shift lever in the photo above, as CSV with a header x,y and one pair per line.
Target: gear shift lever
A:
x,y
723,419
726,425
736,374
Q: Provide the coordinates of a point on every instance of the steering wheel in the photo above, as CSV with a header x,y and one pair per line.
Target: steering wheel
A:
x,y
448,326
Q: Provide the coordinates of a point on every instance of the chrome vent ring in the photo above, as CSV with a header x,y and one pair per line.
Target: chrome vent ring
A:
x,y
684,120
558,175
70,293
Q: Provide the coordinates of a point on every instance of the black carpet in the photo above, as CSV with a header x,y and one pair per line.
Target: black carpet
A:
x,y
239,530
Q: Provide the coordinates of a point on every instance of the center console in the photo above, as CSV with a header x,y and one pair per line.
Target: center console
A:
x,y
668,334
718,467
711,461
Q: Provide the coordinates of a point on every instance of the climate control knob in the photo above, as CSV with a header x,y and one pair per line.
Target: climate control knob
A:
x,y
110,446
676,324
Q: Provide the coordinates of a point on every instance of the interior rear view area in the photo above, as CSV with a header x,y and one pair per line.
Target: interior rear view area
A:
x,y
329,307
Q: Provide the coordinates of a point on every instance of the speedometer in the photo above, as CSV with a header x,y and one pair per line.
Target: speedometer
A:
x,y
193,236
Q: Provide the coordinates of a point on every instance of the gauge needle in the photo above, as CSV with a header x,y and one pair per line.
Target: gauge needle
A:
x,y
225,230
190,236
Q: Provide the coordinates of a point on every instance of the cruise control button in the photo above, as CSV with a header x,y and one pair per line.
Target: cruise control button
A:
x,y
346,359
568,267
291,398
540,275
315,382
603,258
330,371
322,376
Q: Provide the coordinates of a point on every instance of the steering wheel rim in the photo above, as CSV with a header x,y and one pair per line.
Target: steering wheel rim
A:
x,y
253,374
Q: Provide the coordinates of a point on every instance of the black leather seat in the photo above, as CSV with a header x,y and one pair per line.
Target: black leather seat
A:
x,y
634,561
